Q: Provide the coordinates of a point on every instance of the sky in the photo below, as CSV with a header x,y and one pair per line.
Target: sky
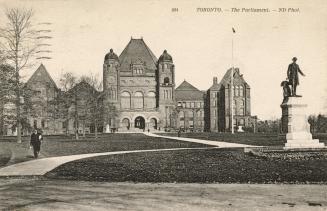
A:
x,y
200,43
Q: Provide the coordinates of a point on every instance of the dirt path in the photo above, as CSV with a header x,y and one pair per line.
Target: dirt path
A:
x,y
39,194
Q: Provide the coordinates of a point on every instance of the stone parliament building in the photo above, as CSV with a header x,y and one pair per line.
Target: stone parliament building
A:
x,y
141,91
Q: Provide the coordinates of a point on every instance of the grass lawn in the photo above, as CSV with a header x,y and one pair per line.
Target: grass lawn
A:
x,y
200,166
5,155
245,138
61,145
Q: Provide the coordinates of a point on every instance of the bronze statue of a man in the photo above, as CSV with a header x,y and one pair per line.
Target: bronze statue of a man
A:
x,y
293,76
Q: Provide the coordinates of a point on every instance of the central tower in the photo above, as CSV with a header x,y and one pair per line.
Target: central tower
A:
x,y
111,89
166,88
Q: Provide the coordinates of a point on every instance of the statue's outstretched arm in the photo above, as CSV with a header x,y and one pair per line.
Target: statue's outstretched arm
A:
x,y
301,72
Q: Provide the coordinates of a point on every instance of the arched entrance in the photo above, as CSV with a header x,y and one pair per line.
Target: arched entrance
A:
x,y
153,123
139,122
125,123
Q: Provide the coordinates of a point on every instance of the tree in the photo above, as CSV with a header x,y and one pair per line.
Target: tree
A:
x,y
268,126
94,105
28,108
19,43
64,100
6,96
318,123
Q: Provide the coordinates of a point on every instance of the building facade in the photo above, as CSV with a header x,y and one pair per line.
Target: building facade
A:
x,y
140,89
139,94
190,108
42,110
219,100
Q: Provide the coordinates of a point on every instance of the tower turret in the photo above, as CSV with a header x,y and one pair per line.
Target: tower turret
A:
x,y
111,89
166,87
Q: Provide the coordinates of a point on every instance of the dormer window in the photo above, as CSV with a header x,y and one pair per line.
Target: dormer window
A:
x,y
138,70
138,67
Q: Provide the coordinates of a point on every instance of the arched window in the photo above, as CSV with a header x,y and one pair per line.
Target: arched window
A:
x,y
112,93
241,91
151,94
234,90
166,80
234,107
241,122
153,123
125,100
126,123
242,106
241,111
151,100
138,100
238,91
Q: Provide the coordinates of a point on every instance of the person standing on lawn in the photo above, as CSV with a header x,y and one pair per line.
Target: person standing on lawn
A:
x,y
35,142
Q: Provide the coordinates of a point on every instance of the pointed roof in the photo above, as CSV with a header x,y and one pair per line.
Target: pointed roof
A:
x,y
226,79
41,74
186,91
83,85
215,85
137,49
186,86
165,56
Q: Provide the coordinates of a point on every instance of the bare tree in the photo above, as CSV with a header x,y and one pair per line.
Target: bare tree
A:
x,y
19,43
67,82
94,105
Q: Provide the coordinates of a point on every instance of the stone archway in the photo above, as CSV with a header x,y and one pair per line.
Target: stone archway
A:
x,y
153,123
139,122
126,123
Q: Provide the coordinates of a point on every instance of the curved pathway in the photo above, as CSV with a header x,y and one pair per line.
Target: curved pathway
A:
x,y
41,166
219,144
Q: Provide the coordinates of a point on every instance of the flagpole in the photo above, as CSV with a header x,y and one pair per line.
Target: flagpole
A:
x,y
232,86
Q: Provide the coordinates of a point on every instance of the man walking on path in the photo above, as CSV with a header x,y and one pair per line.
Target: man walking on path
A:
x,y
35,142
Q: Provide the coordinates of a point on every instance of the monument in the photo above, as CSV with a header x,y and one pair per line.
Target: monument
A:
x,y
294,115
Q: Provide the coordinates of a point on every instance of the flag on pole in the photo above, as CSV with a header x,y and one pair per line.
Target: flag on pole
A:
x,y
233,30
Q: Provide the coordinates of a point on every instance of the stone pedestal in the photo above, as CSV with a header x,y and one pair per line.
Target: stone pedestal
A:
x,y
296,126
107,128
240,129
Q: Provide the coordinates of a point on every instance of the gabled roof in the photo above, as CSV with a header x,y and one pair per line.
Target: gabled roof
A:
x,y
215,87
135,50
236,75
42,75
84,86
186,86
186,91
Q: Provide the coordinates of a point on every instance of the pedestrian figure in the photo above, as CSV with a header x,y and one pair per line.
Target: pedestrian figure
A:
x,y
35,142
179,133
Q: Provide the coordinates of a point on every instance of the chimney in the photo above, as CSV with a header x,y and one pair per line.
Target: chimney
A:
x,y
214,80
